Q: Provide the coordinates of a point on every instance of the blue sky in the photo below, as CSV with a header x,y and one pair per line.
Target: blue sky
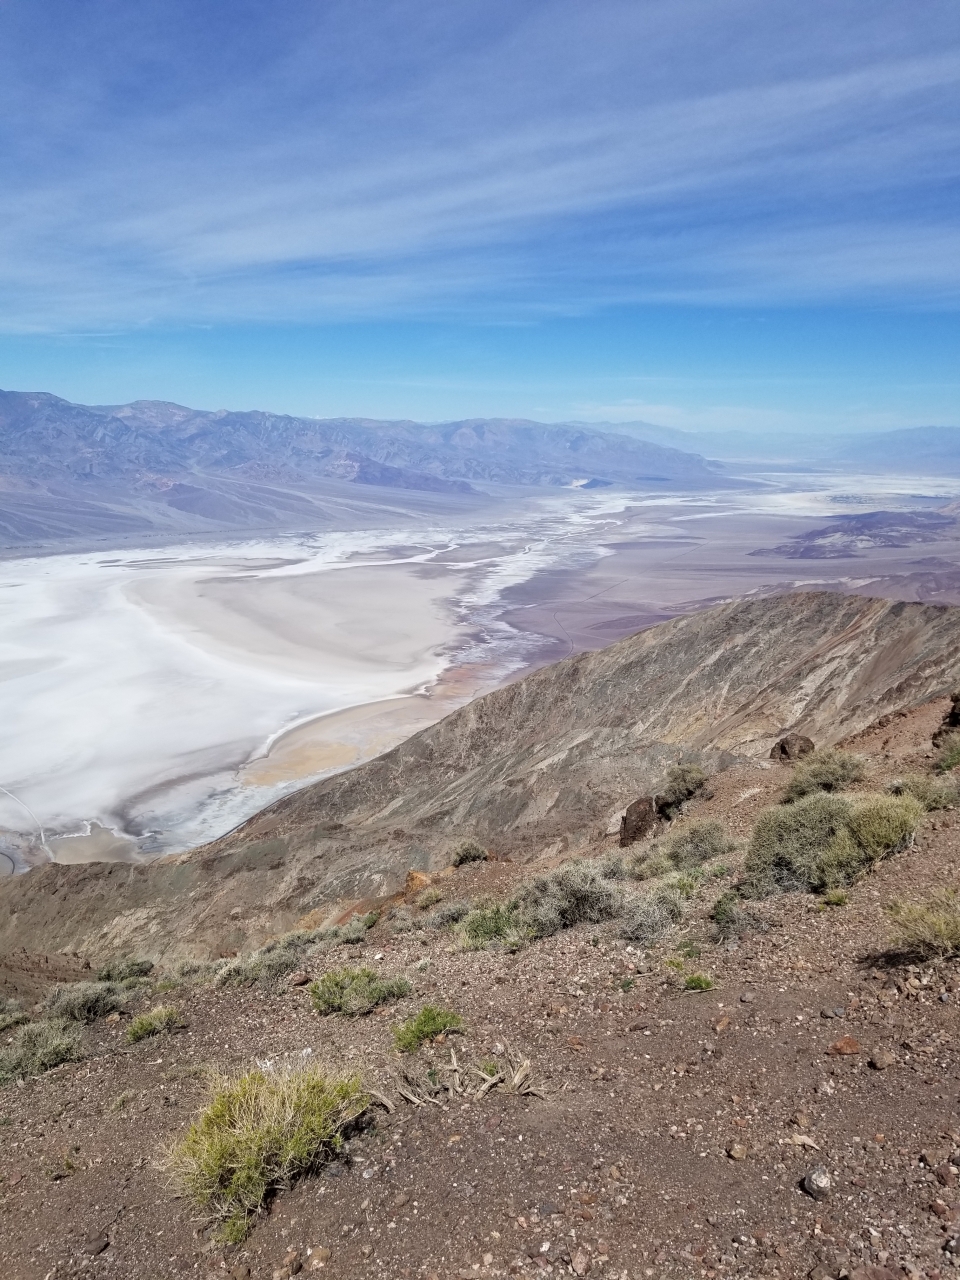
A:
x,y
705,213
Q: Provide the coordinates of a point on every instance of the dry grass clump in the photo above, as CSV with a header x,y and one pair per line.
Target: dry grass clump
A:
x,y
259,1131
648,918
493,922
353,992
698,843
682,784
429,898
163,1017
823,770
468,851
931,793
38,1047
651,865
948,757
576,893
825,842
83,1001
429,1023
929,929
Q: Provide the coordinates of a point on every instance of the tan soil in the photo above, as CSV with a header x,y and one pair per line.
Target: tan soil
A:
x,y
622,1169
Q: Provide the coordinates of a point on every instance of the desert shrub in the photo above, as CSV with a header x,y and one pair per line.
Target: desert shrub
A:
x,y
614,867
490,922
83,1001
355,991
836,898
429,1023
429,898
646,919
651,865
948,757
698,843
468,851
37,1047
11,1015
198,970
928,929
698,982
401,920
124,970
826,842
576,893
728,915
682,783
931,793
164,1017
823,770
449,913
259,1131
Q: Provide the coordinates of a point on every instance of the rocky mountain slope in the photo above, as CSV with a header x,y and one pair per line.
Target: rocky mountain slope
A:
x,y
150,463
545,764
779,1100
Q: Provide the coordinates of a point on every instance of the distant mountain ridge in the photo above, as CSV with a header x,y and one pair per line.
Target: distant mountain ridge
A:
x,y
203,464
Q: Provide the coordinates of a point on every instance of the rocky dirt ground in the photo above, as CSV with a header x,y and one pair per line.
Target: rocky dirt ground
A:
x,y
673,1128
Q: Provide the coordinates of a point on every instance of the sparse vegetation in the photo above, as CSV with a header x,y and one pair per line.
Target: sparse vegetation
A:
x,y
929,929
576,893
429,1023
698,843
122,970
353,992
698,982
164,1017
825,842
648,918
836,898
83,1001
449,913
260,1131
823,770
652,865
11,1014
429,898
948,757
931,793
682,784
729,916
284,954
492,922
468,851
39,1046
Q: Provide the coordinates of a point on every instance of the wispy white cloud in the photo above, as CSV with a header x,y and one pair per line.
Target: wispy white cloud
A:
x,y
404,158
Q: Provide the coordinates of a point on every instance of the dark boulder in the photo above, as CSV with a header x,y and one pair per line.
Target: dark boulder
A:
x,y
639,820
793,746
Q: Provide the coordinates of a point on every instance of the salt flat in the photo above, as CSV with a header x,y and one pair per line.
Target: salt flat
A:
x,y
154,698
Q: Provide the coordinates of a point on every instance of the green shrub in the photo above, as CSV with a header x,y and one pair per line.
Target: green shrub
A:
x,y
651,866
38,1047
83,1001
429,1023
468,851
124,970
353,992
931,793
698,982
836,898
163,1017
698,843
929,929
429,898
682,783
576,893
825,842
823,770
948,757
492,922
259,1132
